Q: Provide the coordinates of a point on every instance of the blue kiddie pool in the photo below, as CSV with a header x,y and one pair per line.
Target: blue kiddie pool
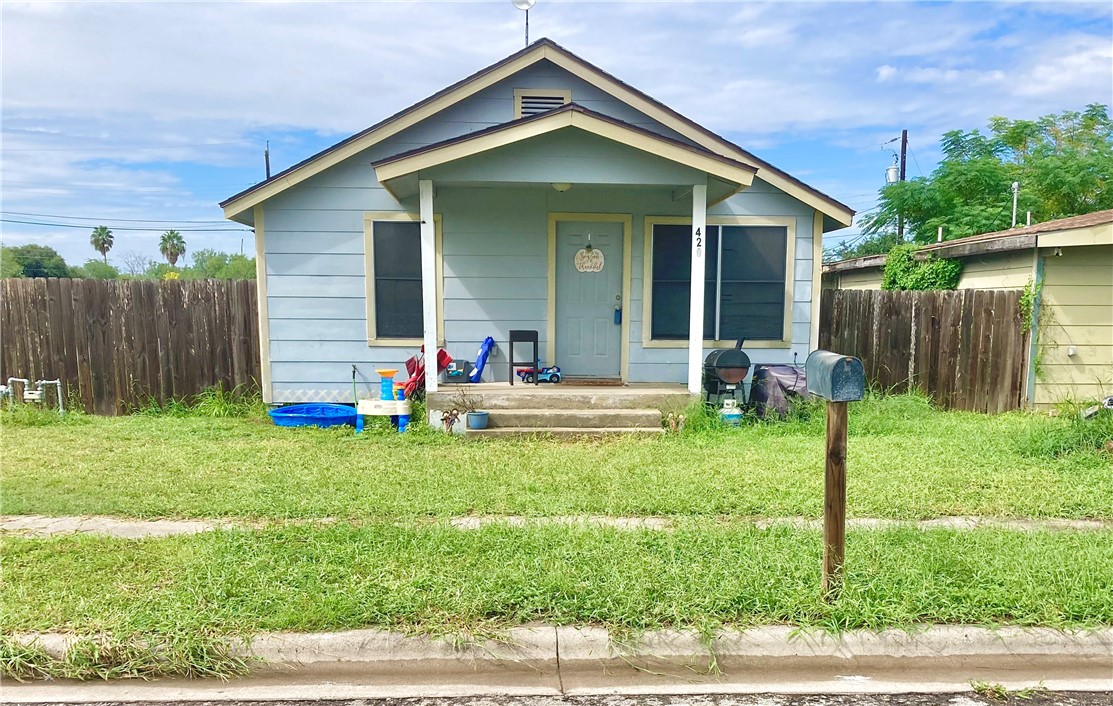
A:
x,y
314,415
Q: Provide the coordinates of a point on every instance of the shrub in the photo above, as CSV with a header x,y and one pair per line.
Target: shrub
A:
x,y
904,272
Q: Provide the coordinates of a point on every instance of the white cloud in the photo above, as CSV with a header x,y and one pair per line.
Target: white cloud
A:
x,y
91,89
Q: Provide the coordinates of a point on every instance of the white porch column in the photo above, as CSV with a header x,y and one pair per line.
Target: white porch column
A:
x,y
428,282
699,265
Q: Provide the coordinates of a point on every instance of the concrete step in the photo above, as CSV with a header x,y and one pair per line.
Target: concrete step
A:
x,y
558,396
560,432
576,418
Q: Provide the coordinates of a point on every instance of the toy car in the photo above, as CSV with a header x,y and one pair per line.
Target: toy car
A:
x,y
549,374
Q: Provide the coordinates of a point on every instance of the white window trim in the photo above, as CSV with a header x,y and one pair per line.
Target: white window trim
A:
x,y
788,222
369,218
520,93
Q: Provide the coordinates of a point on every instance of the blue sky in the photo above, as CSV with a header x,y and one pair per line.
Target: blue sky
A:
x,y
143,115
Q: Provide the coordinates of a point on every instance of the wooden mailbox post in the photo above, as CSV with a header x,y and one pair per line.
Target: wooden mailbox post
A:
x,y
838,379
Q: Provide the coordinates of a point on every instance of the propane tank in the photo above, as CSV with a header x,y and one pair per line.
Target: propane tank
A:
x,y
731,413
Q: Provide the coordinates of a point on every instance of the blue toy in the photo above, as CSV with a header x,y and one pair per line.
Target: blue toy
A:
x,y
481,359
549,374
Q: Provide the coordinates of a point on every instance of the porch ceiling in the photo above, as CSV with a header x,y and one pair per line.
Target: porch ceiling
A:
x,y
569,145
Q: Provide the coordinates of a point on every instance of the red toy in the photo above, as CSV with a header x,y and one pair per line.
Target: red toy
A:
x,y
415,366
549,374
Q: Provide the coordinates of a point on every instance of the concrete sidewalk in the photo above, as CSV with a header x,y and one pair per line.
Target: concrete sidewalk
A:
x,y
547,660
44,526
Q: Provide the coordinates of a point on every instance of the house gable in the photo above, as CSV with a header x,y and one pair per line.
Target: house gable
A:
x,y
487,98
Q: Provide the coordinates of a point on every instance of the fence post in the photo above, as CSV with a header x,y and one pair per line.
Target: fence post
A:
x,y
834,497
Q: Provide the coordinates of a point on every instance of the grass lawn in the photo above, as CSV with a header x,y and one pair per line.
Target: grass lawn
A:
x,y
436,578
392,560
906,461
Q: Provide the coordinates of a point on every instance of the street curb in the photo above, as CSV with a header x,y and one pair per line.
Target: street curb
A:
x,y
545,647
595,647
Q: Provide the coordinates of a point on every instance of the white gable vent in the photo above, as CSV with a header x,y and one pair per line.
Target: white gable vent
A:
x,y
533,101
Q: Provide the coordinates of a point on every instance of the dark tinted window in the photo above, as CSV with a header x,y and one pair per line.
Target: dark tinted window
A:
x,y
753,282
397,262
751,287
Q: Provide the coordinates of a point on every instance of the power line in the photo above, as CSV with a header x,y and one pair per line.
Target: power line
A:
x,y
125,228
921,171
123,220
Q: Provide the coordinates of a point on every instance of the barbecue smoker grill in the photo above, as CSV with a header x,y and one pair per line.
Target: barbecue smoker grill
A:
x,y
723,372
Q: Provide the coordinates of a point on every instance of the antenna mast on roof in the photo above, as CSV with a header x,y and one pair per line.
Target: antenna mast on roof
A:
x,y
525,5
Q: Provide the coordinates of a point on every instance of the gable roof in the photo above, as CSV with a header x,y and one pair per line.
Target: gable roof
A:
x,y
542,49
997,241
569,115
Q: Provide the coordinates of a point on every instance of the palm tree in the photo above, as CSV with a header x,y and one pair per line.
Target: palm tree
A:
x,y
172,246
101,239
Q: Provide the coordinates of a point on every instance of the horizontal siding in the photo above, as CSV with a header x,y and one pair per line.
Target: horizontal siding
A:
x,y
318,330
502,265
315,286
315,264
1075,374
337,352
317,308
302,243
572,156
1077,294
1073,272
1059,354
516,288
1012,270
1076,311
1051,394
860,279
1083,335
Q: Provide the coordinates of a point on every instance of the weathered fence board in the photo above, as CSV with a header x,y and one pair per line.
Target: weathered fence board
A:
x,y
964,348
118,344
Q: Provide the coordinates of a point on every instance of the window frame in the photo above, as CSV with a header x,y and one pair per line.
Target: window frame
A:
x,y
369,219
520,93
787,222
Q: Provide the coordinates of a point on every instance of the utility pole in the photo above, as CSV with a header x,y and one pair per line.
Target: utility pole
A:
x,y
903,157
1016,192
267,158
891,178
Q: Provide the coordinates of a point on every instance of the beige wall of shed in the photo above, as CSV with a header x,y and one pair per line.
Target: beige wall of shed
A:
x,y
854,279
1076,309
1006,270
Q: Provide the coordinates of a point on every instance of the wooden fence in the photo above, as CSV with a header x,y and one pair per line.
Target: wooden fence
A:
x,y
116,344
967,349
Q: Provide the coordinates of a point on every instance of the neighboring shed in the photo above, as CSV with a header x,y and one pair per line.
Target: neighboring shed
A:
x,y
1071,259
467,215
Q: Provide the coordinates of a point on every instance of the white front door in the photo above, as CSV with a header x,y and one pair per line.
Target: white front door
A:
x,y
588,288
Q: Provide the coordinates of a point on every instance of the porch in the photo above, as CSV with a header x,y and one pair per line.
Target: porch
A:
x,y
562,409
585,303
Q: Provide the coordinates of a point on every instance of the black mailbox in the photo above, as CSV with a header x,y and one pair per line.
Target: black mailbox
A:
x,y
834,377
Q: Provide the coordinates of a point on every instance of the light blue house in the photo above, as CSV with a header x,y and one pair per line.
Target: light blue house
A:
x,y
539,193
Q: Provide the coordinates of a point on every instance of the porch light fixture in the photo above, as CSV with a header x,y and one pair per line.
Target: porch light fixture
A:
x,y
562,186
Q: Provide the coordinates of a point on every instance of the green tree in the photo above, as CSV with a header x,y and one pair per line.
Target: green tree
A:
x,y
95,269
1063,163
101,240
32,261
172,246
212,264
